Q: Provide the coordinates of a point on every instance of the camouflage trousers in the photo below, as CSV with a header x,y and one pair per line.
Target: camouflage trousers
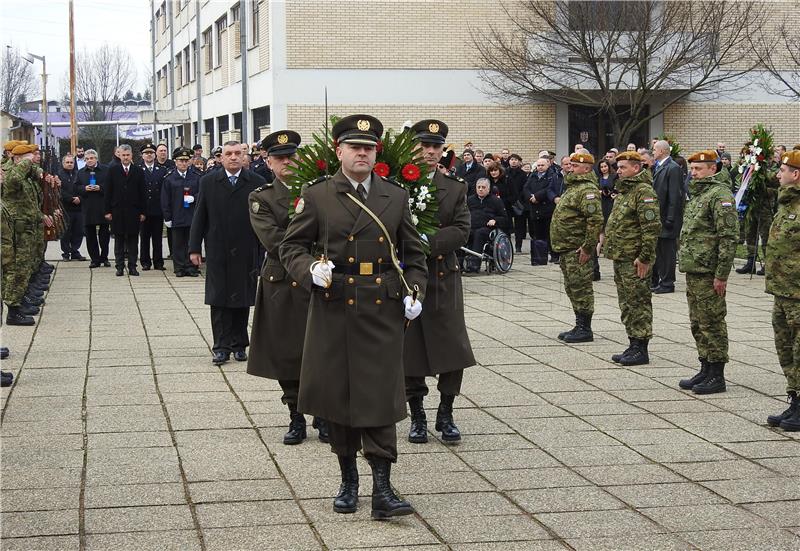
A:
x,y
786,324
17,248
578,282
707,311
758,228
634,296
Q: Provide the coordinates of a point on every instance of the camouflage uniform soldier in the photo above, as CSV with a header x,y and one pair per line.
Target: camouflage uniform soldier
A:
x,y
632,232
574,232
708,245
783,265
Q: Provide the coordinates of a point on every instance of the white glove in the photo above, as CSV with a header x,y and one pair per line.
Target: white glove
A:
x,y
322,273
168,223
413,307
189,198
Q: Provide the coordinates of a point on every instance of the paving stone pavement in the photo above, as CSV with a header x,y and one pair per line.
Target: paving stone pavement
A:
x,y
119,433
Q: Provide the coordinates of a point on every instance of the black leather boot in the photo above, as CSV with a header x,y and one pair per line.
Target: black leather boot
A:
x,y
385,503
6,378
4,352
28,309
715,382
617,357
749,267
582,331
346,501
418,433
322,429
637,355
565,333
32,301
761,271
794,403
444,420
297,427
792,424
16,317
700,376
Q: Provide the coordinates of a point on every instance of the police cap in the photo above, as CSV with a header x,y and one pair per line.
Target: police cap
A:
x,y
430,131
358,129
148,146
282,142
182,154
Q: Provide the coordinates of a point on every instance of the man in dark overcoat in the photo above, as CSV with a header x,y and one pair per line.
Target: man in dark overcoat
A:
x,y
92,185
437,343
178,202
221,220
668,184
280,314
352,370
153,226
124,207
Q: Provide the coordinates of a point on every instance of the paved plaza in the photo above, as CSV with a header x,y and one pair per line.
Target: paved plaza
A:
x,y
119,433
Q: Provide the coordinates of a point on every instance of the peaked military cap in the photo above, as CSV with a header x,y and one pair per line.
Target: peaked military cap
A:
x,y
358,129
182,154
582,157
148,146
282,142
430,131
705,156
630,156
792,158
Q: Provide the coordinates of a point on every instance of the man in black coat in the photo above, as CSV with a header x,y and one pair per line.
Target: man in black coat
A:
x,y
486,214
668,184
470,170
92,185
73,236
516,179
222,220
153,225
538,195
178,202
124,205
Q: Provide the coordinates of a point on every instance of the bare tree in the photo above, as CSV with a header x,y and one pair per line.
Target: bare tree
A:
x,y
102,76
17,81
620,57
778,50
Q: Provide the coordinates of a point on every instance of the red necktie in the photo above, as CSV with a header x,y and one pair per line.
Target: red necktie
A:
x,y
126,170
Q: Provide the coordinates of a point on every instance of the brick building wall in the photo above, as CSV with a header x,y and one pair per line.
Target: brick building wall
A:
x,y
701,125
524,129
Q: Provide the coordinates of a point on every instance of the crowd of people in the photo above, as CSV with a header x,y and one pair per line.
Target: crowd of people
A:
x,y
339,320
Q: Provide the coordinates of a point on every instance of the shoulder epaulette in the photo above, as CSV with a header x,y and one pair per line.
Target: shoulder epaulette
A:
x,y
318,180
268,185
170,171
456,178
391,181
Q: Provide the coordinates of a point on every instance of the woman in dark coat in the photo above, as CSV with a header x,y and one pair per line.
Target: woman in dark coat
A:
x,y
501,187
537,194
91,189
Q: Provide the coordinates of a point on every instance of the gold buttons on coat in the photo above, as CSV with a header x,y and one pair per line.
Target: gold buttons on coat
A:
x,y
351,260
327,295
350,301
441,274
378,280
381,239
380,261
440,257
378,301
294,284
350,237
351,280
271,278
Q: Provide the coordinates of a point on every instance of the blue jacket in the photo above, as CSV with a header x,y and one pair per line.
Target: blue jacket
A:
x,y
173,190
152,184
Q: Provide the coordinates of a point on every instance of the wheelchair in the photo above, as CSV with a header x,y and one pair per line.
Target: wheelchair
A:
x,y
497,253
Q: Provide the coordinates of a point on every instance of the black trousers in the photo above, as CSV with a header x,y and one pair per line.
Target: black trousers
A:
x,y
664,269
540,231
520,229
479,238
126,244
150,231
169,240
180,250
378,442
449,383
98,237
291,389
73,236
229,327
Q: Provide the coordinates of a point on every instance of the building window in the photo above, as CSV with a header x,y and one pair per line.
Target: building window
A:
x,y
254,34
237,121
223,124
208,50
220,26
261,118
235,13
608,15
179,75
190,52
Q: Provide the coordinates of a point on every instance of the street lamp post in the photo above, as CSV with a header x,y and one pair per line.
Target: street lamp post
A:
x,y
30,57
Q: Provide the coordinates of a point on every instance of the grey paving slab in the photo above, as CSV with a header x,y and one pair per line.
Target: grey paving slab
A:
x,y
293,537
166,540
138,519
43,543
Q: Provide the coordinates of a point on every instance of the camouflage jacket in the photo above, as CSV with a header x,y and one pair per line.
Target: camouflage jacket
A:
x,y
710,228
783,249
578,217
19,193
634,224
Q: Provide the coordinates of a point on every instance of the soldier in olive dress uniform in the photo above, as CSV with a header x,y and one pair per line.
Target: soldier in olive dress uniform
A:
x,y
279,318
438,343
352,370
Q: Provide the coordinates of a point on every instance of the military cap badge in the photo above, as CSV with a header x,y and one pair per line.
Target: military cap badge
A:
x,y
363,125
433,127
283,138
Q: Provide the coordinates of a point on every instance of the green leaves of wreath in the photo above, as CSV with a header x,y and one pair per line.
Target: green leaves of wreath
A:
x,y
398,159
758,159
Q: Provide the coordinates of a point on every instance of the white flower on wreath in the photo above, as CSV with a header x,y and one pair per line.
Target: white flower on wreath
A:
x,y
741,169
758,150
756,167
414,219
410,201
421,206
755,142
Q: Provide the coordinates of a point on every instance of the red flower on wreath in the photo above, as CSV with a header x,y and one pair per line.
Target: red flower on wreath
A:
x,y
381,169
321,164
410,172
760,157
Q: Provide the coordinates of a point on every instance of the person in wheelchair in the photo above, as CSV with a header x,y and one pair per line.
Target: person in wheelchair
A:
x,y
487,213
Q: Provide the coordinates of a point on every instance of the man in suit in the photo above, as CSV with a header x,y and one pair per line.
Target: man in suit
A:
x,y
125,206
438,343
92,185
470,170
280,314
668,183
221,220
153,225
352,371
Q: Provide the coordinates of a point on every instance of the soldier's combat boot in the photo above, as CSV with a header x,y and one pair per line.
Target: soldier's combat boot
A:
x,y
297,427
761,271
637,355
582,331
46,267
700,376
346,501
714,382
32,301
749,267
794,403
444,420
565,333
792,424
4,352
28,309
6,378
385,503
322,429
617,357
418,433
16,317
